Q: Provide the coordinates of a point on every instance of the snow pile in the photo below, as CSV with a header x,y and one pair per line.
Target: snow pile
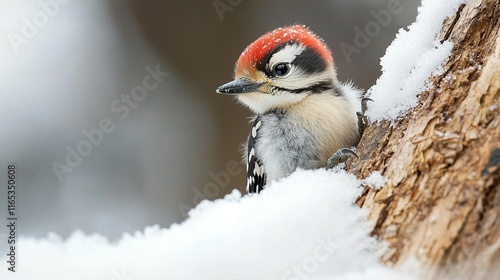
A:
x,y
302,227
410,60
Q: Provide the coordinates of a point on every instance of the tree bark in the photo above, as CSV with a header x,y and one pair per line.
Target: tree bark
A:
x,y
441,203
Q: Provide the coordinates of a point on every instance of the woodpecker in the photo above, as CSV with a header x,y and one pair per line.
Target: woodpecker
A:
x,y
303,114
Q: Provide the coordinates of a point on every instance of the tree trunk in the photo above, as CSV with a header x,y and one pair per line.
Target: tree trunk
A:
x,y
441,203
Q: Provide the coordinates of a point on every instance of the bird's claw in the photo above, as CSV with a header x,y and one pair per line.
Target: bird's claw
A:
x,y
364,104
339,156
362,119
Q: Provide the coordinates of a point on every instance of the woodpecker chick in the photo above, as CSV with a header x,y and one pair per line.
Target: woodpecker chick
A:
x,y
303,114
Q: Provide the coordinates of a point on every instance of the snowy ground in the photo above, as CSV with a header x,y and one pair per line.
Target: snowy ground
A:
x,y
302,227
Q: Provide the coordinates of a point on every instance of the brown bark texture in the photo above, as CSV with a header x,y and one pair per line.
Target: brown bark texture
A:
x,y
441,203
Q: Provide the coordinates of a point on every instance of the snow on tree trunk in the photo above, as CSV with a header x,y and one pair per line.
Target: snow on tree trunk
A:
x,y
441,202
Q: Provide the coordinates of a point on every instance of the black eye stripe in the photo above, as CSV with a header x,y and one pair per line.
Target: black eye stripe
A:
x,y
316,88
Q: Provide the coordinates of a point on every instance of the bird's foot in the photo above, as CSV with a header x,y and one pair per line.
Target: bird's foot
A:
x,y
339,156
362,118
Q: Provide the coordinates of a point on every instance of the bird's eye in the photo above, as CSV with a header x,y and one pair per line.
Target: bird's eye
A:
x,y
281,69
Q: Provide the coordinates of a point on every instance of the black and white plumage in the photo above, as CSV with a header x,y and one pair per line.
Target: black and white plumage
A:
x,y
256,175
303,113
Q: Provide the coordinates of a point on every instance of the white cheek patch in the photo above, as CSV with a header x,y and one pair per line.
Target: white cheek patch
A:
x,y
262,102
286,54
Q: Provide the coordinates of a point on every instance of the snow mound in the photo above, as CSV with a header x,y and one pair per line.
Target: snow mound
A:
x,y
305,226
414,56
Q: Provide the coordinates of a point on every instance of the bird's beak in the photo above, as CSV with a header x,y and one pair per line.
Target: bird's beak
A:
x,y
239,86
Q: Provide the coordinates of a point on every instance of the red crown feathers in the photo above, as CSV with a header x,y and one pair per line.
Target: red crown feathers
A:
x,y
254,53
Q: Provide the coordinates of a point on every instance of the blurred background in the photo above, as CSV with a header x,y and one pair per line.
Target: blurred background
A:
x,y
65,63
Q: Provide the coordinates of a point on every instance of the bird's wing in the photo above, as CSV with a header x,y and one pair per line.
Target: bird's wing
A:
x,y
256,176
